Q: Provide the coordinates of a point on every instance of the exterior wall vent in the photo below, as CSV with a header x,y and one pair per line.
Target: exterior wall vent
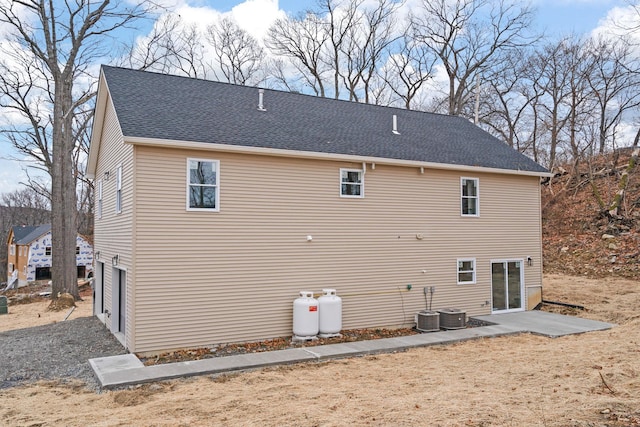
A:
x,y
452,318
427,321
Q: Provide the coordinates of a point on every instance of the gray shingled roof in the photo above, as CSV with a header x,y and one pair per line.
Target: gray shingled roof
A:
x,y
162,106
25,234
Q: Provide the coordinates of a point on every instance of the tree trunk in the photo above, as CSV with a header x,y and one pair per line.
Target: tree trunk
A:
x,y
614,208
63,193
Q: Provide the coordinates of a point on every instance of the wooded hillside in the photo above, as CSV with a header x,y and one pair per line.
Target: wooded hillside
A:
x,y
582,238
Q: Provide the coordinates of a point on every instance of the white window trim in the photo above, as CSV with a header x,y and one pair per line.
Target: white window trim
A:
x,y
119,189
458,271
477,197
217,185
99,197
349,196
12,251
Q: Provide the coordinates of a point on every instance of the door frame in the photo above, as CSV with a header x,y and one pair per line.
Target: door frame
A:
x,y
522,284
98,289
118,300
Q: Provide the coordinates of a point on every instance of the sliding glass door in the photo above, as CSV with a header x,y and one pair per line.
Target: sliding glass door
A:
x,y
507,285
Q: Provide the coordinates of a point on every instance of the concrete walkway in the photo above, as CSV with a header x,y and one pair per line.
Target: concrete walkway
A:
x,y
124,370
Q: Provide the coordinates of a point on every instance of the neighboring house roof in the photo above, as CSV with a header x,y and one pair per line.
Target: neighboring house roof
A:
x,y
166,107
23,235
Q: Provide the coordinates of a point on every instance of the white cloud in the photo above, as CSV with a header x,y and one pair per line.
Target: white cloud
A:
x,y
620,22
253,16
256,16
200,16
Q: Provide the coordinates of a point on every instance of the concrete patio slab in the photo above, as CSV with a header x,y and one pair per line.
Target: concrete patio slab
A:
x,y
124,370
104,366
545,323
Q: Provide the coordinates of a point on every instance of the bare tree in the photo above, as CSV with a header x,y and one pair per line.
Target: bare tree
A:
x,y
549,63
341,21
365,45
408,69
466,35
614,86
238,54
56,43
154,52
301,39
505,105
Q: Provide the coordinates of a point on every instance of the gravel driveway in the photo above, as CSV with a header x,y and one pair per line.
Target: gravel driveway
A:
x,y
57,351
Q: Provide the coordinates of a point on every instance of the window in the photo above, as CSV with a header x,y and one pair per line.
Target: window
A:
x,y
351,183
77,250
202,188
470,199
47,251
99,197
119,190
12,251
466,271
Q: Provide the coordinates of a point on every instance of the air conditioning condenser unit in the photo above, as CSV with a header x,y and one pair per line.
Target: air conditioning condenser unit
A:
x,y
427,321
452,318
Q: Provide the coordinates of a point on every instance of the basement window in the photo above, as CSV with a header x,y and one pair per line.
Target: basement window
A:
x,y
466,271
203,185
351,183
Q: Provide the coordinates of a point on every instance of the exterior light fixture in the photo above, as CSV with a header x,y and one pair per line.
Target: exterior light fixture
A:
x,y
115,259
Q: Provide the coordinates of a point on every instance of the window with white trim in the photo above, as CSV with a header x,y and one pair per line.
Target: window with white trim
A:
x,y
12,251
470,197
119,189
351,183
203,192
99,201
466,271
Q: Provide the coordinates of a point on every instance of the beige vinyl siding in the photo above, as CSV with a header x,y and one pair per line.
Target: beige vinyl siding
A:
x,y
113,231
210,277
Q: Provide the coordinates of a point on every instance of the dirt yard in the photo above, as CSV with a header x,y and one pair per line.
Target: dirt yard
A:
x,y
582,380
35,313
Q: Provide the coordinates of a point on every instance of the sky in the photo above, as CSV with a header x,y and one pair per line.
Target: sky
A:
x,y
554,17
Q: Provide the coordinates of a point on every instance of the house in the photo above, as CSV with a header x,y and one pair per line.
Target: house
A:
x,y
29,255
217,204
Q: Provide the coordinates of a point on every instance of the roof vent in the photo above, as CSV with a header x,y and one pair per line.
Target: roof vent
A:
x,y
261,100
395,125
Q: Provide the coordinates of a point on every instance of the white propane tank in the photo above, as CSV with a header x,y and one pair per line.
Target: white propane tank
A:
x,y
330,306
305,315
